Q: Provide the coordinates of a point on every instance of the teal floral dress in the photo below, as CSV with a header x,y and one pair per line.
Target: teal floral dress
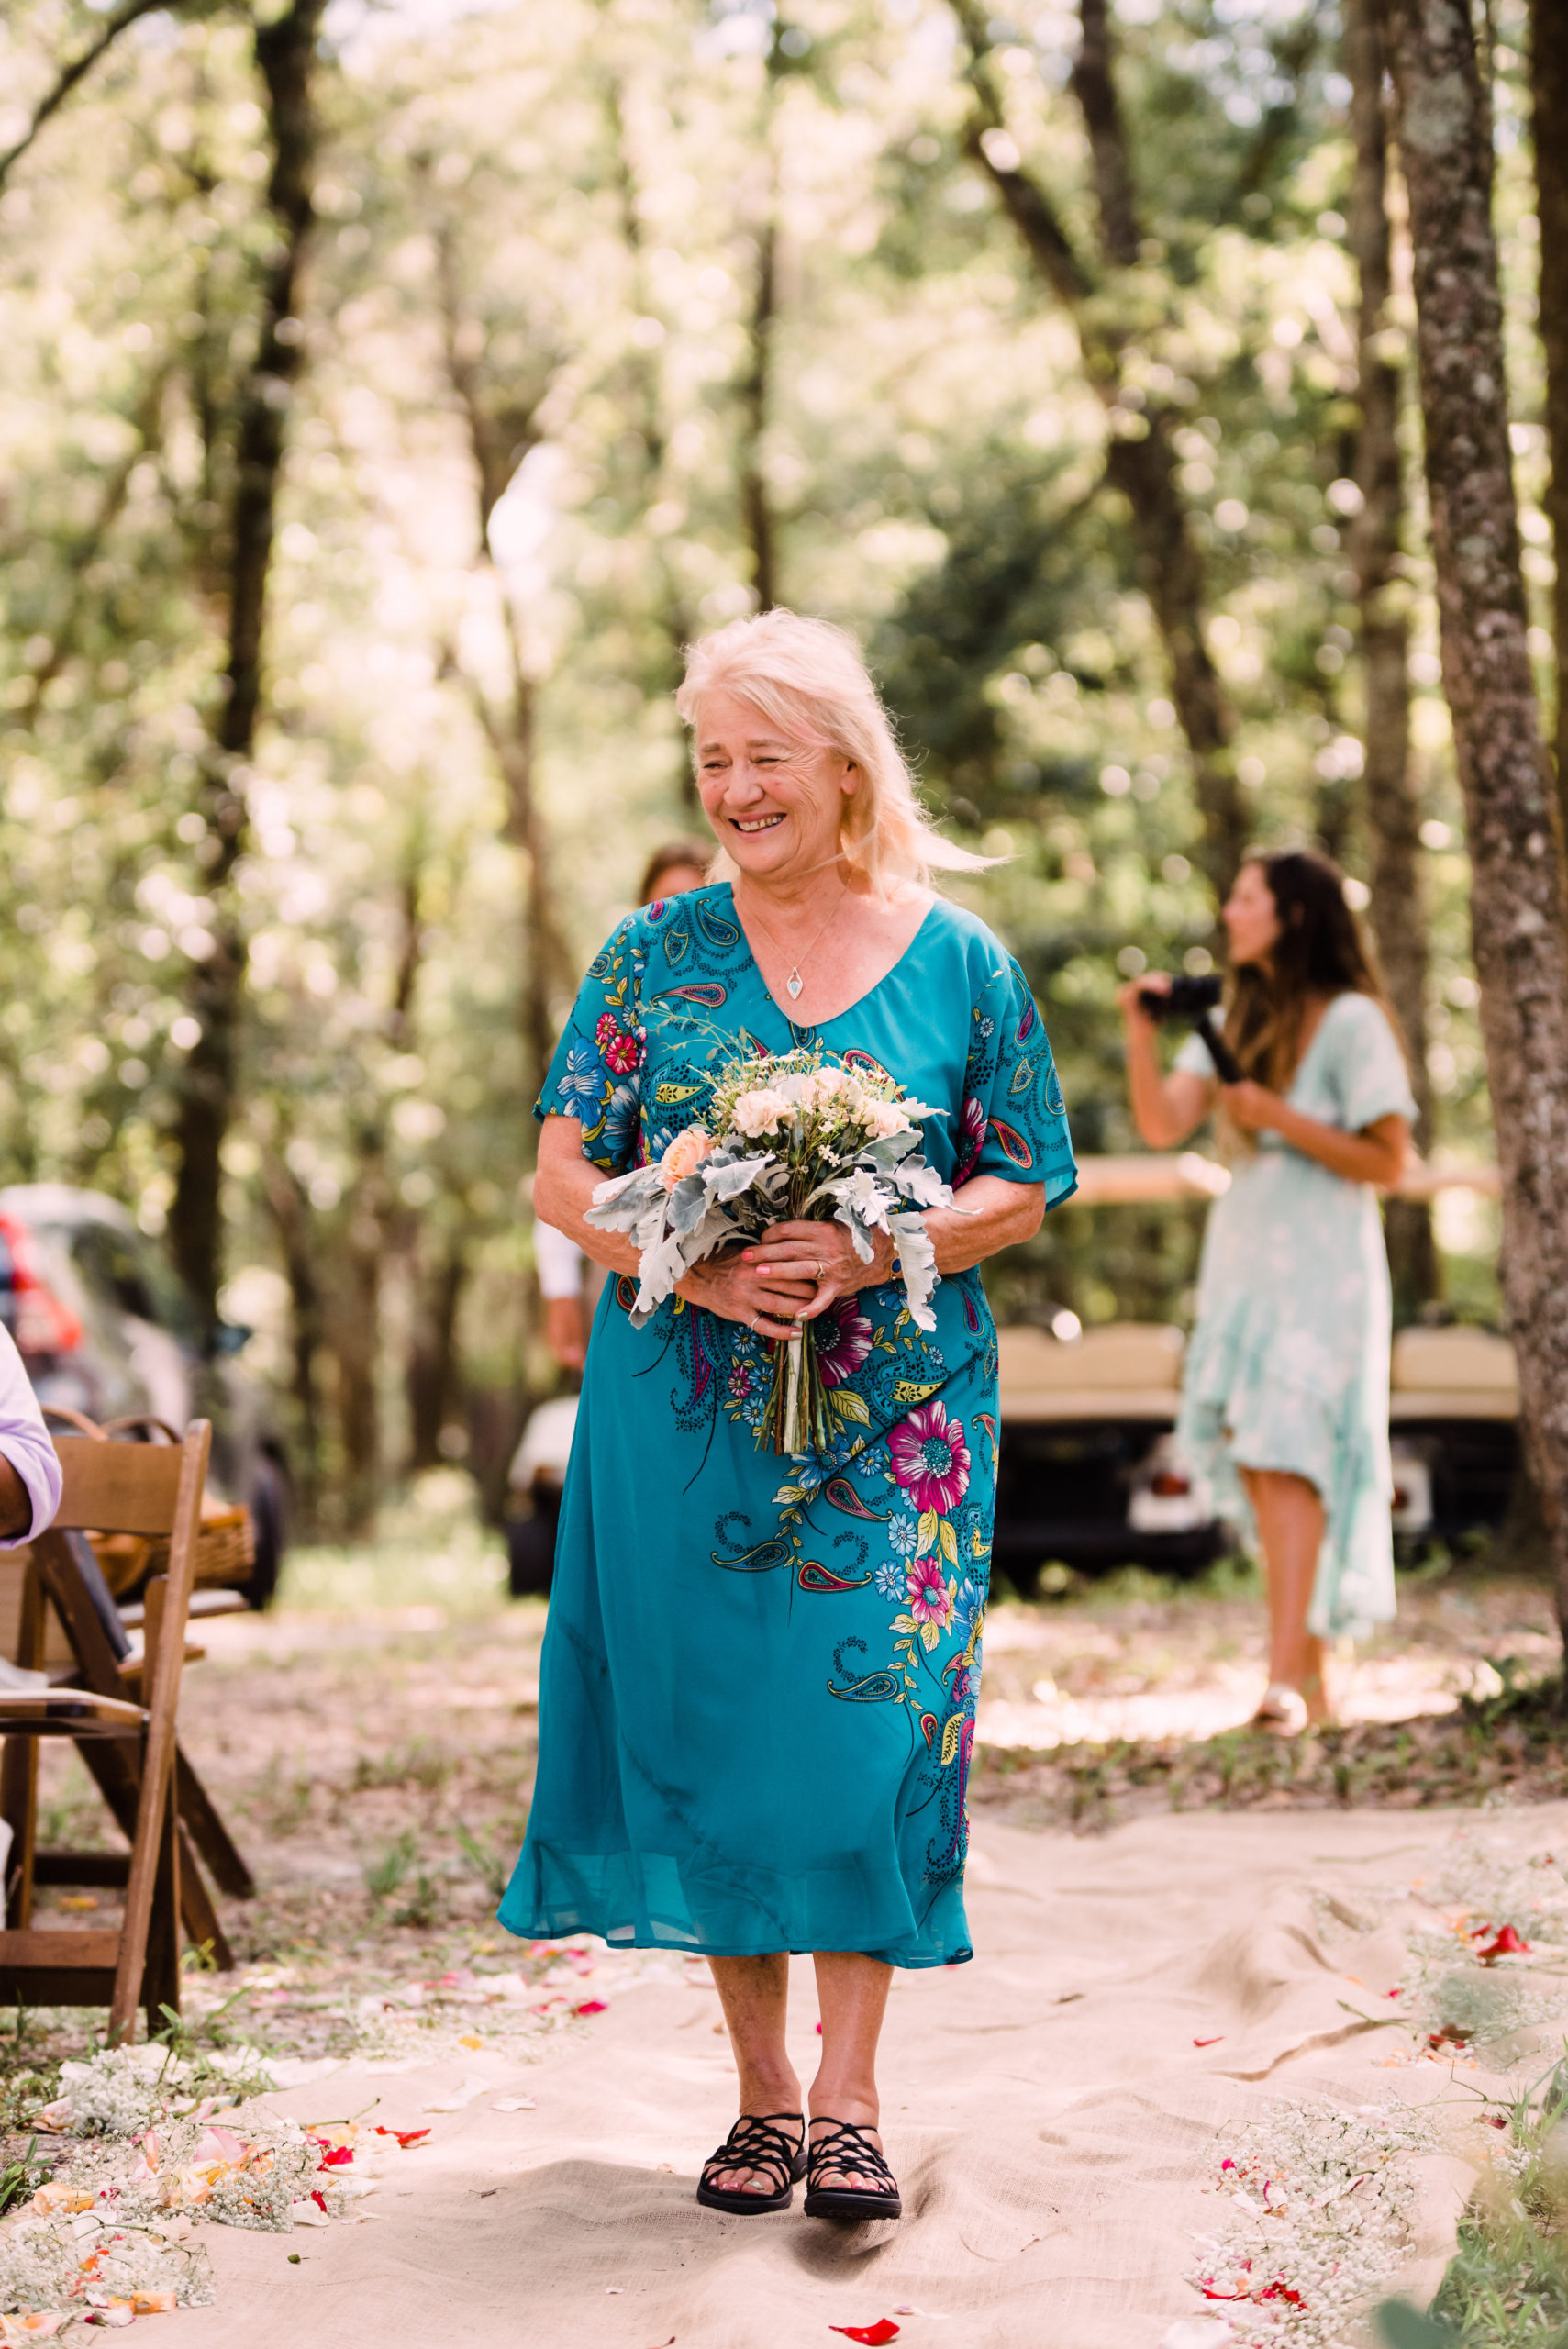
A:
x,y
1288,1365
759,1679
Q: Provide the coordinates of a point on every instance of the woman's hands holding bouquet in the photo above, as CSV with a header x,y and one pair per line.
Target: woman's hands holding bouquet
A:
x,y
789,1276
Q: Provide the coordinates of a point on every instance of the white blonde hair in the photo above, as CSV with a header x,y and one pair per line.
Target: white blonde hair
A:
x,y
807,679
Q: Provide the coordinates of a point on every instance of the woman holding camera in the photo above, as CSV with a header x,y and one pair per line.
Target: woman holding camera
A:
x,y
1285,1388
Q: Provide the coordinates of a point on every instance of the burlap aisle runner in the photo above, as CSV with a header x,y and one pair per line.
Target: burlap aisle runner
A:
x,y
1054,2110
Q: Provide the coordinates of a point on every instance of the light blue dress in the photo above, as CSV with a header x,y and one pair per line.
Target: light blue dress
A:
x,y
1287,1367
759,1679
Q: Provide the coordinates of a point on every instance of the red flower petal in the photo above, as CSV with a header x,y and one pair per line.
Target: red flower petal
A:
x,y
883,2329
405,2137
592,2006
1508,1944
1209,2043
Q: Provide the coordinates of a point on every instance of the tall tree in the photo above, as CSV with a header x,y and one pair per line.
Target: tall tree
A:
x,y
756,395
1375,553
1519,909
287,56
673,619
373,1212
1548,84
502,424
1141,455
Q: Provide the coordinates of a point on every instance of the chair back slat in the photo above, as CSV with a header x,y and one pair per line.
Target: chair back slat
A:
x,y
119,1487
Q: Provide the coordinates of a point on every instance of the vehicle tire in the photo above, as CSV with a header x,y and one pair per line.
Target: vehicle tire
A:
x,y
531,1555
269,1514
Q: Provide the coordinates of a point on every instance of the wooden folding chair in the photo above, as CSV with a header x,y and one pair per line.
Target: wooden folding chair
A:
x,y
96,1629
109,1488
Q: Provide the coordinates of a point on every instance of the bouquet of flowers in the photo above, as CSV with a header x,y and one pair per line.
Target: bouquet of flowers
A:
x,y
790,1137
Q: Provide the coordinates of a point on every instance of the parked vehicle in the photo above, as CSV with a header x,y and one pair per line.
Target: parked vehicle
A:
x,y
1089,1476
533,1500
105,1327
1453,1417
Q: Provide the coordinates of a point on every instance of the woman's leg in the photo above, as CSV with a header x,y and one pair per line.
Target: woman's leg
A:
x,y
852,1992
754,1994
1289,1510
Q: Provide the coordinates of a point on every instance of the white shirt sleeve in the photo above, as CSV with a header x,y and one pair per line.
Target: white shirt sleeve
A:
x,y
1195,1058
24,1440
559,1262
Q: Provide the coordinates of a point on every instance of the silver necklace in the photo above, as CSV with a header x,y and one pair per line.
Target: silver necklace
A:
x,y
795,983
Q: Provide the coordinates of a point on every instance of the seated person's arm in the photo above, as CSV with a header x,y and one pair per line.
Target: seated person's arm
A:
x,y
29,1468
16,1504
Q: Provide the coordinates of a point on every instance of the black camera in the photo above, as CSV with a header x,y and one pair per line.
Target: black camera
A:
x,y
1196,1001
1186,998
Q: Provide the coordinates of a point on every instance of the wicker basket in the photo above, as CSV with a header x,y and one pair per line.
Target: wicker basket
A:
x,y
225,1552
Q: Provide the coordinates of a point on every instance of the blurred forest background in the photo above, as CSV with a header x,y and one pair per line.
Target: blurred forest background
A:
x,y
391,390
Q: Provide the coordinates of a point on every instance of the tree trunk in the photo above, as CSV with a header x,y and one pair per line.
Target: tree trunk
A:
x,y
1374,545
286,57
292,1221
431,1375
1518,907
501,430
675,622
373,1212
756,389
1549,83
1140,460
356,1341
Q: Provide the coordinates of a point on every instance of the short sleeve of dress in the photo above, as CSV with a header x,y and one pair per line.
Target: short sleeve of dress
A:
x,y
1367,1071
596,1073
1013,1104
1193,1059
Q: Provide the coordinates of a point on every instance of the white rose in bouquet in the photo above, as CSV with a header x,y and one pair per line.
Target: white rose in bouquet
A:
x,y
762,1112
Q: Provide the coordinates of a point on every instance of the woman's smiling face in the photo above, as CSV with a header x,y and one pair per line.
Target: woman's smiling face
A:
x,y
775,804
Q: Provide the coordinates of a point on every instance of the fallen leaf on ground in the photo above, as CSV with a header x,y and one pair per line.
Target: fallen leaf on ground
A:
x,y
883,2329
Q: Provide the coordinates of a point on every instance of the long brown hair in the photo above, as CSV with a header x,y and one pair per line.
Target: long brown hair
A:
x,y
1321,950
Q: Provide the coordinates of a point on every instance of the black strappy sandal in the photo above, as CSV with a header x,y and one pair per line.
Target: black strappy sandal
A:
x,y
755,2144
845,2147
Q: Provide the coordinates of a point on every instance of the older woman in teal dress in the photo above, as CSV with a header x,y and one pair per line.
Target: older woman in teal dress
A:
x,y
759,1682
1284,1400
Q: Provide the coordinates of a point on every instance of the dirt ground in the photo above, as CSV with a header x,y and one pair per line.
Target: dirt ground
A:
x,y
371,1744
